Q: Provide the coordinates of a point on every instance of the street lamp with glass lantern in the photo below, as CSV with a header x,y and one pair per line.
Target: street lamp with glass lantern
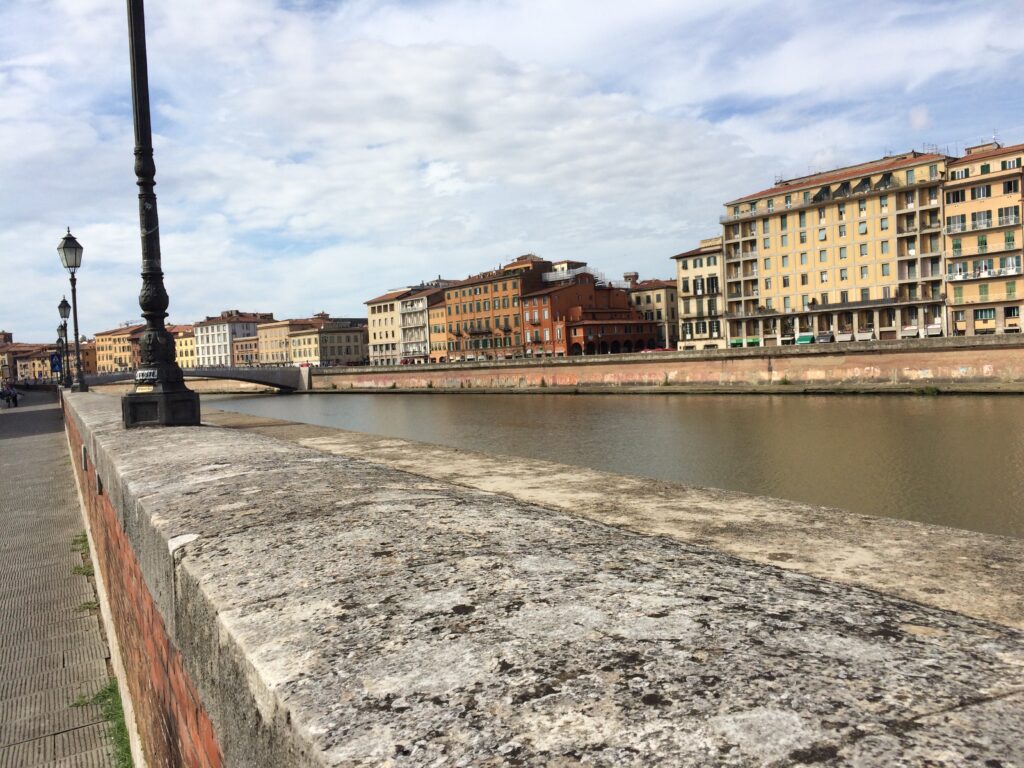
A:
x,y
65,310
70,253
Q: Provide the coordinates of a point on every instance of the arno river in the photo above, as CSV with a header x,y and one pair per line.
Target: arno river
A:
x,y
956,461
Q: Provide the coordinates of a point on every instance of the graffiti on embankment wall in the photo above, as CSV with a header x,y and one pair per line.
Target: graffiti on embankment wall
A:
x,y
897,364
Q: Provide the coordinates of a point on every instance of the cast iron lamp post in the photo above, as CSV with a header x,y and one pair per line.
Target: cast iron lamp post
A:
x,y
70,253
64,309
160,397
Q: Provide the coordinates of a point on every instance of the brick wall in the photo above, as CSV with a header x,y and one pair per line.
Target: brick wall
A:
x,y
173,726
949,361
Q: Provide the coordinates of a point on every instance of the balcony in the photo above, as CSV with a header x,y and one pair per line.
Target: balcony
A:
x,y
982,274
1007,221
907,229
1000,296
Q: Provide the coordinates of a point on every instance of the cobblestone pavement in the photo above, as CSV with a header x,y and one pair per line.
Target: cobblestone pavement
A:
x,y
51,650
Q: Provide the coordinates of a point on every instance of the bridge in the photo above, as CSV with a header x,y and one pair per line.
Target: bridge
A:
x,y
286,379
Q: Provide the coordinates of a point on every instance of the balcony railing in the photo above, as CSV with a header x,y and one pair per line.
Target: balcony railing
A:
x,y
983,274
981,250
1000,296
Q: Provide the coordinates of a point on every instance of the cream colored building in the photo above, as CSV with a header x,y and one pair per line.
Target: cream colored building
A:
x,y
658,300
332,342
700,275
852,253
983,240
214,336
384,324
274,340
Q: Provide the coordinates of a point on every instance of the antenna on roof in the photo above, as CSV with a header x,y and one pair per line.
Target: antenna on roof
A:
x,y
779,178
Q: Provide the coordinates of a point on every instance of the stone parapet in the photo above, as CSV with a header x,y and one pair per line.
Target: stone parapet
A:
x,y
325,610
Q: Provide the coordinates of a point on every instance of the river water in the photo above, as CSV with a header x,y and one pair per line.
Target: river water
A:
x,y
948,460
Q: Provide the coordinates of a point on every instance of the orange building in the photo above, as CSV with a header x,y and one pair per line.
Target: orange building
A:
x,y
578,315
482,312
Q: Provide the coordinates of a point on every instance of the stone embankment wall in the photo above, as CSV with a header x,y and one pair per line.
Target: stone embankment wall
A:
x,y
284,598
960,362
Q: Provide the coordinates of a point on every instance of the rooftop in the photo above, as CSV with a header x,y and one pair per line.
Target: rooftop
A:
x,y
890,163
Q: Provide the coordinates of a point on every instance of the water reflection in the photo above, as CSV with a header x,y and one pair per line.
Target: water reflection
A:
x,y
947,460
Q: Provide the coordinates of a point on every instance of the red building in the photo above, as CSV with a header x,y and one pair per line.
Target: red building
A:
x,y
576,315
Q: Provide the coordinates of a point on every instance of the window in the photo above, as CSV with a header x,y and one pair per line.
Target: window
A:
x,y
1011,186
843,274
910,176
1011,289
1009,215
784,240
862,208
885,246
980,192
789,200
803,219
865,294
842,230
844,296
1008,240
1006,165
841,209
804,279
821,215
823,277
960,173
985,314
764,226
883,201
803,237
982,243
985,167
767,264
822,257
767,283
785,261
883,224
956,223
785,302
863,249
981,219
803,258
842,252
862,228
783,222
766,243
785,281
771,207
956,196
821,234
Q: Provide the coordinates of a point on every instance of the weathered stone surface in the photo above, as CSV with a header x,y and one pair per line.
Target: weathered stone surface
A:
x,y
964,571
333,611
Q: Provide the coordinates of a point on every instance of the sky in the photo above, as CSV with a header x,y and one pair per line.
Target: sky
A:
x,y
313,154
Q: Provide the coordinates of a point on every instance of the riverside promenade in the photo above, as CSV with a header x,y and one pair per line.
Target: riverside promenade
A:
x,y
52,652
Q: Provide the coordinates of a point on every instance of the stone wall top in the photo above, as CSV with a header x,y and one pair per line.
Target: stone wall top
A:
x,y
334,611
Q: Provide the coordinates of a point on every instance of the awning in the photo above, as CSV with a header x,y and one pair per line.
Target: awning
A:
x,y
844,337
735,342
754,342
865,335
805,338
934,330
910,333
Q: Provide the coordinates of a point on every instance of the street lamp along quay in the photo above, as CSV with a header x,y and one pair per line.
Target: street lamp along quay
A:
x,y
64,309
160,397
70,253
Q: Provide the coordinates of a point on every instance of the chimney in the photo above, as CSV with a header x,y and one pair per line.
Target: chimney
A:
x,y
632,278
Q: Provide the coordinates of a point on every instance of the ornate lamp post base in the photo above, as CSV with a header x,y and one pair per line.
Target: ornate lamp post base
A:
x,y
160,409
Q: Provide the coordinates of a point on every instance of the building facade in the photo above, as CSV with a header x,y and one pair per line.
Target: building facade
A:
x,y
657,300
214,335
184,345
245,351
700,275
414,322
483,311
117,349
438,333
384,324
983,240
851,253
274,340
330,342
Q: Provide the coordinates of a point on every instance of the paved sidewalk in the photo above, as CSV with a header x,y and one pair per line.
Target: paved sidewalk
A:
x,y
51,652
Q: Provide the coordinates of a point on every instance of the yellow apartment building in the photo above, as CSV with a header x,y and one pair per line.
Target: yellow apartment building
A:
x,y
657,300
983,240
329,342
851,253
438,334
700,275
115,348
184,345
